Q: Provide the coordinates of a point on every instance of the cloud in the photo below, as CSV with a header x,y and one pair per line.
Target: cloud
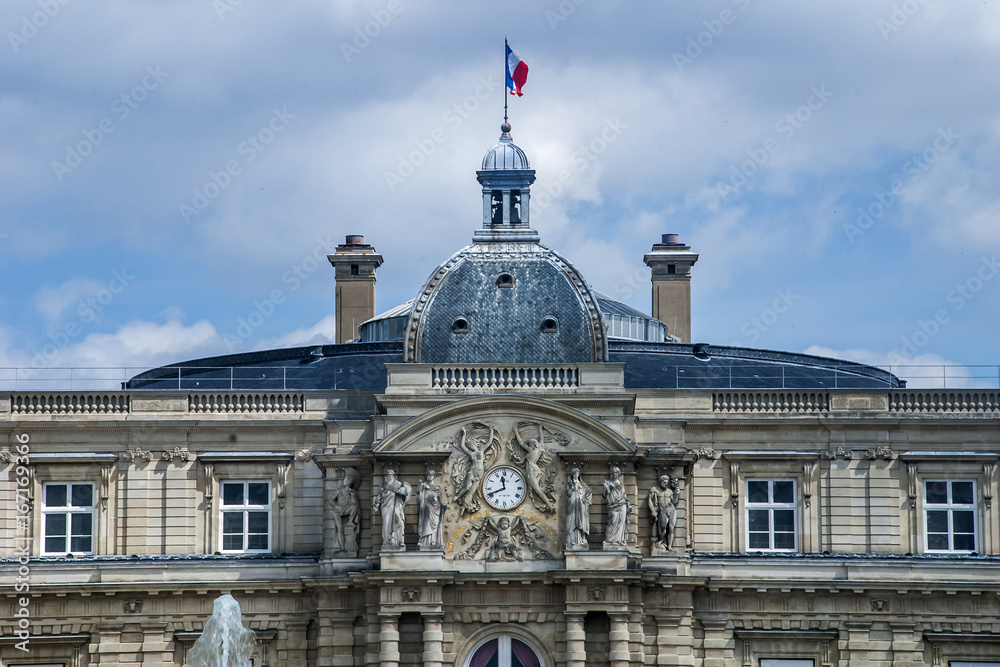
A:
x,y
924,371
321,333
52,302
103,360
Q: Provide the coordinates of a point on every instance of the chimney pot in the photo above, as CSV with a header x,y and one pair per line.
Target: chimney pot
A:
x,y
671,239
354,239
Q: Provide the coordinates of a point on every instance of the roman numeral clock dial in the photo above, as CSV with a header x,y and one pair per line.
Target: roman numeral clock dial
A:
x,y
504,488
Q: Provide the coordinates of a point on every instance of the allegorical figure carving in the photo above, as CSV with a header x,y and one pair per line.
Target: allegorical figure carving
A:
x,y
345,505
506,536
663,513
431,510
477,447
391,501
578,499
618,507
537,462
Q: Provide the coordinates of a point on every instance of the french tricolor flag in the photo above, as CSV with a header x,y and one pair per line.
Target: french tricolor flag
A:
x,y
517,72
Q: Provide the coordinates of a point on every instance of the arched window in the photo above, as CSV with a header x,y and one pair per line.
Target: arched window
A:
x,y
503,651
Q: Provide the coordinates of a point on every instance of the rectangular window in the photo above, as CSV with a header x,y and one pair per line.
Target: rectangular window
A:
x,y
786,663
68,518
950,515
771,524
246,516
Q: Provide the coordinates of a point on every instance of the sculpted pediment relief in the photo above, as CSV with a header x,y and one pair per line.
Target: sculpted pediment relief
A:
x,y
436,430
503,471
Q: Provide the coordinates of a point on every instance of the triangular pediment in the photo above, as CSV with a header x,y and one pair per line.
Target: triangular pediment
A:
x,y
566,429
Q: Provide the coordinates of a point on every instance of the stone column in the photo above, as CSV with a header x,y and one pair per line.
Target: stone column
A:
x,y
576,647
388,640
157,645
336,642
674,641
619,639
433,640
296,645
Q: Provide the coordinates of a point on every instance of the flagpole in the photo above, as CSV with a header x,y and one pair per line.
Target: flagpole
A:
x,y
505,47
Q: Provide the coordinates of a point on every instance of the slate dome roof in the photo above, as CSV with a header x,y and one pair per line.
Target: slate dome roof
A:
x,y
506,303
505,154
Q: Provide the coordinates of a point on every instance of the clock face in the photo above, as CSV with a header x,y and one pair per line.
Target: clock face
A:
x,y
504,488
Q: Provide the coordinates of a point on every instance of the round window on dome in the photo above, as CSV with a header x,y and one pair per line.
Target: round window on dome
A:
x,y
505,280
460,325
549,324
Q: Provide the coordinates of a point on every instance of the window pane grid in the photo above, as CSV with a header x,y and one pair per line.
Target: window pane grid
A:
x,y
950,516
771,515
246,516
68,518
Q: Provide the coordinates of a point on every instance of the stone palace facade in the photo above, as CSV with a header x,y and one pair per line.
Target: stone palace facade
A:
x,y
511,469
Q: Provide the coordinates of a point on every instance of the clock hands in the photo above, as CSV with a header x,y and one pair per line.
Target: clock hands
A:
x,y
503,487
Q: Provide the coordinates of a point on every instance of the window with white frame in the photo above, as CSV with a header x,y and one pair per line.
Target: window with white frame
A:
x,y
786,663
68,518
246,516
770,511
955,663
950,515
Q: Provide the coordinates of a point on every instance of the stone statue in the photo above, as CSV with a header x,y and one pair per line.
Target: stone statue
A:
x,y
431,511
478,445
504,537
345,510
578,499
537,463
391,501
619,507
663,514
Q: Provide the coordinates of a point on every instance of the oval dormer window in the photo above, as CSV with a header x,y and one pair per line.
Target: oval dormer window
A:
x,y
460,325
505,280
549,324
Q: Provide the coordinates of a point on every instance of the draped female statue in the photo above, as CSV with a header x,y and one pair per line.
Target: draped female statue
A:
x,y
618,507
578,499
391,501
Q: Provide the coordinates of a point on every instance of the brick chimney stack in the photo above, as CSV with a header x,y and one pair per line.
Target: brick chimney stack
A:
x,y
671,262
354,265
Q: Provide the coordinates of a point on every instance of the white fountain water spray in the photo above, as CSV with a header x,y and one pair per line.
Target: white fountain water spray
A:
x,y
224,642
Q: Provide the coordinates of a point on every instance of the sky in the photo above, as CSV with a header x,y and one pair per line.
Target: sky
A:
x,y
173,173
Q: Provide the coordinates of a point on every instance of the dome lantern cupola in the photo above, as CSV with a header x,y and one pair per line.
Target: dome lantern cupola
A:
x,y
506,178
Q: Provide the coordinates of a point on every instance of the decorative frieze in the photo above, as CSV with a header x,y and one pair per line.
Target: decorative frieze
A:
x,y
137,455
838,453
880,452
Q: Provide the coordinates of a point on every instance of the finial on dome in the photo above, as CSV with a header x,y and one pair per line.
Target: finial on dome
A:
x,y
505,132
